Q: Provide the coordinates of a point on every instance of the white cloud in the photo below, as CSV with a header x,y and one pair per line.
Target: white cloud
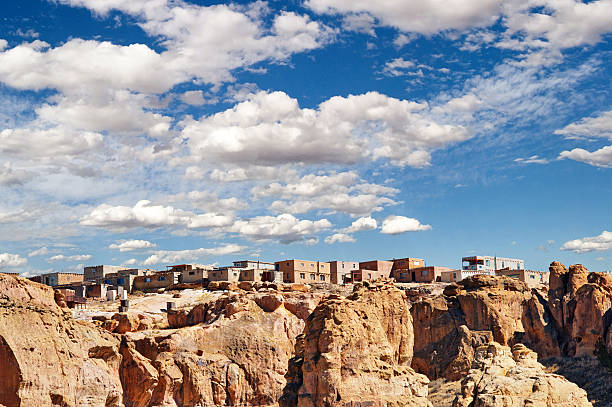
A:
x,y
598,158
11,260
210,220
130,262
168,256
255,172
397,67
208,201
466,103
425,16
38,252
589,127
130,245
271,128
602,242
339,238
75,257
362,224
193,97
342,192
19,215
285,227
363,23
10,176
143,214
534,159
394,225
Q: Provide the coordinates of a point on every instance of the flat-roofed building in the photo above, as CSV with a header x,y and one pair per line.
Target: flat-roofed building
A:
x,y
304,271
489,264
93,273
405,266
59,278
533,278
384,267
340,271
161,279
231,274
427,274
254,265
367,275
454,276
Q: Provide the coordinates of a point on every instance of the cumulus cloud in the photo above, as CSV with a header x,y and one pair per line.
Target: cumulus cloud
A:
x,y
597,158
285,227
589,127
341,192
10,176
339,238
602,242
143,214
130,245
271,128
75,257
362,224
193,97
38,252
208,201
424,17
11,260
169,256
394,225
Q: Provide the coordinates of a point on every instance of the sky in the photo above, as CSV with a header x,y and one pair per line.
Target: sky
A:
x,y
152,132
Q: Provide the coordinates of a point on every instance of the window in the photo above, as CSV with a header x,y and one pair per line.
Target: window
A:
x,y
312,276
191,273
342,265
302,264
488,262
161,278
147,280
532,276
424,272
503,265
214,274
369,276
417,263
322,277
454,276
235,274
121,281
90,288
302,276
402,275
107,281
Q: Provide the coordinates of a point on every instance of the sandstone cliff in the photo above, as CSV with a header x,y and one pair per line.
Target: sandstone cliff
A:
x,y
49,359
357,351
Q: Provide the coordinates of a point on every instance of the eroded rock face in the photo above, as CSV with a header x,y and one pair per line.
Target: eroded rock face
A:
x,y
236,353
501,377
359,350
48,358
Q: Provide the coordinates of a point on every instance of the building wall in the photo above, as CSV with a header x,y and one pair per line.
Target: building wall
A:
x,y
254,264
407,263
489,264
368,275
427,274
96,290
251,275
304,271
231,274
533,278
194,275
92,273
340,271
383,266
54,279
155,281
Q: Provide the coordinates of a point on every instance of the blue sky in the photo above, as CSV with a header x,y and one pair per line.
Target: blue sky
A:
x,y
145,133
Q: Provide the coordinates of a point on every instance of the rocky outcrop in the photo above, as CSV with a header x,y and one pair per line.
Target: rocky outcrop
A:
x,y
230,351
48,358
357,351
501,377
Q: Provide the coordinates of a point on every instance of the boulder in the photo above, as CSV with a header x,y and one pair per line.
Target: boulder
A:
x,y
504,377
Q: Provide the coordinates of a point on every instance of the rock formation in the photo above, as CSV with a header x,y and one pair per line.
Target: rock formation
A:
x,y
501,377
48,358
357,351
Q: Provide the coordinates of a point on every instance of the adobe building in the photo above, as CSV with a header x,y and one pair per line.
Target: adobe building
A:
x,y
340,271
405,266
429,274
58,278
454,276
367,275
228,273
489,264
383,267
92,273
304,271
254,265
161,279
532,278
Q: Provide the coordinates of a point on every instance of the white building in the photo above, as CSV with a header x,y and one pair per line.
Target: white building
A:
x,y
489,264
